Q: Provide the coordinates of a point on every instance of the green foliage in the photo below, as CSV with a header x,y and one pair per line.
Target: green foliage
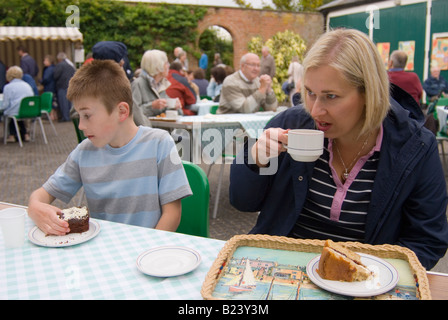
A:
x,y
211,44
140,27
288,5
283,47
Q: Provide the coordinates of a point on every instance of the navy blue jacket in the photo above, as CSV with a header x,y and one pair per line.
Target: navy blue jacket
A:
x,y
409,197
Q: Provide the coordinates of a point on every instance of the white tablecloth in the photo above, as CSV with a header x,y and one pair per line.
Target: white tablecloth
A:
x,y
442,116
102,268
203,107
212,133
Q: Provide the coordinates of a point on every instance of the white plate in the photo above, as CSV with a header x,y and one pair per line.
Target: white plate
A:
x,y
168,261
385,278
39,238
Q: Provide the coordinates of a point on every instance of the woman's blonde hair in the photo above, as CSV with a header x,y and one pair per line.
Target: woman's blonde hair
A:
x,y
153,62
14,72
353,54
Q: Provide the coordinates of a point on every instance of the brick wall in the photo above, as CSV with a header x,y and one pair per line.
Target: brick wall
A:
x,y
243,24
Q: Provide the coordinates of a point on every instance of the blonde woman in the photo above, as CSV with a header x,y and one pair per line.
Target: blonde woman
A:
x,y
379,179
149,89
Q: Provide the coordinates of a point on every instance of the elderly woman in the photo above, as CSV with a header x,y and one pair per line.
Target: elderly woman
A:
x,y
149,89
13,93
379,179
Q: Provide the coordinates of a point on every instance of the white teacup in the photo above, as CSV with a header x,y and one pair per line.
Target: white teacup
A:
x,y
170,103
305,145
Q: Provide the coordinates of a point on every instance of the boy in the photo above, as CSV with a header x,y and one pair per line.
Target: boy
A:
x,y
130,174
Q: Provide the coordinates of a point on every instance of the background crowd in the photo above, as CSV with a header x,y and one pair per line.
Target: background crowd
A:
x,y
160,79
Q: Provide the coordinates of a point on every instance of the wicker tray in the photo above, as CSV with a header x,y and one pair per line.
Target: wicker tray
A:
x,y
311,246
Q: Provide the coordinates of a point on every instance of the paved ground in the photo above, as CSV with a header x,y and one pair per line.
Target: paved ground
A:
x,y
23,170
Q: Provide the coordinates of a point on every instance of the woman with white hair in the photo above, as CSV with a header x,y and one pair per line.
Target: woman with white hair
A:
x,y
13,93
379,179
149,89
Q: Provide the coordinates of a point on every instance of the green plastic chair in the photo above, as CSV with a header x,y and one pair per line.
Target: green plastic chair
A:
x,y
79,134
195,209
213,109
46,104
29,109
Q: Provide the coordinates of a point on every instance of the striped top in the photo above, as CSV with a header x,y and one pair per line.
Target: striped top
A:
x,y
336,210
127,184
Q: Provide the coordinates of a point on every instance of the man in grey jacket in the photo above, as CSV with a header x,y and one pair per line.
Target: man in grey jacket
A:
x,y
245,91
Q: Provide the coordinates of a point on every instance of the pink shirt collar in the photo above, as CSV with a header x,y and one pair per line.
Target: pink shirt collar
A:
x,y
342,188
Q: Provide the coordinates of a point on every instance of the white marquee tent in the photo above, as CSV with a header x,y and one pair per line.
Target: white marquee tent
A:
x,y
39,41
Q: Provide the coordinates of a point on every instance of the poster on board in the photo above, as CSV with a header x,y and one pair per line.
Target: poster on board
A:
x,y
384,50
439,55
409,48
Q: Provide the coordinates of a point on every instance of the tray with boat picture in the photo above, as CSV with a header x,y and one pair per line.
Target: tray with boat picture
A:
x,y
261,267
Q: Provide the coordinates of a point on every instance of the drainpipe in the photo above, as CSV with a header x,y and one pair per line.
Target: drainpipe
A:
x,y
427,44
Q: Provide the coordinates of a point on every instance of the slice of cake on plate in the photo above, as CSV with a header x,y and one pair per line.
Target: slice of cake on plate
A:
x,y
77,218
339,263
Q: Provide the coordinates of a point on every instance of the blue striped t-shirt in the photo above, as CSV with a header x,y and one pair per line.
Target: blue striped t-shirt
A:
x,y
127,184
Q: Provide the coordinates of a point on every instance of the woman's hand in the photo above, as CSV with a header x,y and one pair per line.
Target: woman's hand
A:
x,y
269,145
159,104
177,105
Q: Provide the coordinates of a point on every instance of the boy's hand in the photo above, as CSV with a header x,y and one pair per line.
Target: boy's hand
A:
x,y
46,218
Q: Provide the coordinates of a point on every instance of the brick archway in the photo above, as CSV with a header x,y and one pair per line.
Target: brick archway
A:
x,y
244,24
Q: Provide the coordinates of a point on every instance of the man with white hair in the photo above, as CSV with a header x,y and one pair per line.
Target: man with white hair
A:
x,y
245,91
406,80
435,84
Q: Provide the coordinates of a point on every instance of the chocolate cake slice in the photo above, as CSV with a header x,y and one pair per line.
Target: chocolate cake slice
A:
x,y
77,218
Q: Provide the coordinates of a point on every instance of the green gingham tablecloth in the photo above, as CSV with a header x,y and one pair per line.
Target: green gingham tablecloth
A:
x,y
212,133
101,268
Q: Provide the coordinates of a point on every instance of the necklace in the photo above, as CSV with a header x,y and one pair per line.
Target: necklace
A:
x,y
346,169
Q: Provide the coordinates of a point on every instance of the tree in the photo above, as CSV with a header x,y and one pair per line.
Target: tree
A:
x,y
288,5
139,26
283,46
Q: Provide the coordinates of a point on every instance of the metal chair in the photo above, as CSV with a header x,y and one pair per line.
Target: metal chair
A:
x,y
224,158
81,137
441,136
46,104
29,109
195,209
79,133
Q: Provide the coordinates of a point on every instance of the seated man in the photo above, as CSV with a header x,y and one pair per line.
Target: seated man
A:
x,y
245,91
435,84
180,88
408,81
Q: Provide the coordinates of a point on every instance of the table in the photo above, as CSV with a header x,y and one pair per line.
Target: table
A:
x,y
211,133
102,268
105,267
203,107
442,116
